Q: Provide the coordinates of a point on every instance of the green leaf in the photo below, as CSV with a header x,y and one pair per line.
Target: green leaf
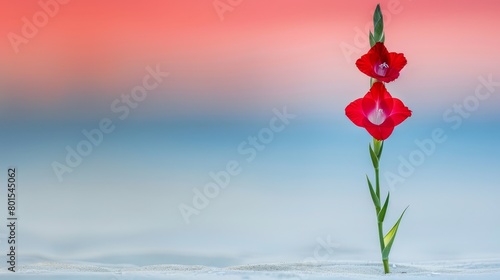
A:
x,y
374,157
377,145
376,200
380,150
389,238
372,39
381,214
378,26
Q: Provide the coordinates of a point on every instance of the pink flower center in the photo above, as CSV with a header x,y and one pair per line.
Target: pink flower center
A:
x,y
381,69
377,116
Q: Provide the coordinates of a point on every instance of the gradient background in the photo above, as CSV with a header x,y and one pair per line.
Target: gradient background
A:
x,y
121,204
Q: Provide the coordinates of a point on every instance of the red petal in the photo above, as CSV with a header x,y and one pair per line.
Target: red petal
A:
x,y
399,112
379,51
369,103
378,91
381,96
396,63
354,111
389,77
365,65
380,132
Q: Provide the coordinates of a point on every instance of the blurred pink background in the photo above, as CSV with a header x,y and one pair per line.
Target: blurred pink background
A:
x,y
262,51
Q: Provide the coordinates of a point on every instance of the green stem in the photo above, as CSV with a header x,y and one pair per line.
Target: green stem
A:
x,y
382,247
376,148
381,236
377,185
386,266
380,224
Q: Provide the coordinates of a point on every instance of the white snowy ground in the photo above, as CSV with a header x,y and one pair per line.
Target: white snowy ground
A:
x,y
479,269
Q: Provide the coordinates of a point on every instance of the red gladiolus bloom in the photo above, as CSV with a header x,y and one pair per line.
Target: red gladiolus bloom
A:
x,y
378,112
380,64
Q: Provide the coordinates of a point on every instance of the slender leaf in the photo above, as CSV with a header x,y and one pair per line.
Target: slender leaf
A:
x,y
376,200
381,214
372,39
374,158
378,27
380,150
378,24
377,144
389,238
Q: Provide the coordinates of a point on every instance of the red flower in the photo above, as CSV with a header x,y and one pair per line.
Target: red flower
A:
x,y
380,64
377,112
